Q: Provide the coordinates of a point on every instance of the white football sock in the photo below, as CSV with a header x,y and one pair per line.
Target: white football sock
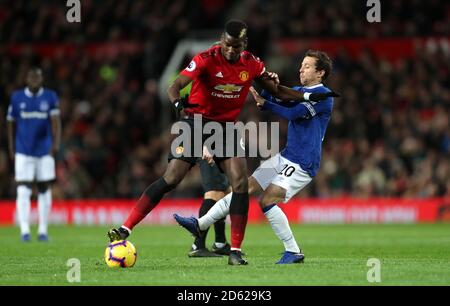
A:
x,y
44,206
218,211
280,226
23,206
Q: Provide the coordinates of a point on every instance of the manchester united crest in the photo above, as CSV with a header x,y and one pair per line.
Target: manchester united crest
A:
x,y
243,75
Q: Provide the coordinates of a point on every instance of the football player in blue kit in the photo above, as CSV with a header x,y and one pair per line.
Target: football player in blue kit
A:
x,y
281,177
34,133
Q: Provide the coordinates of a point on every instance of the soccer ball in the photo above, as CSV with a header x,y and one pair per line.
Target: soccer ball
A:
x,y
121,253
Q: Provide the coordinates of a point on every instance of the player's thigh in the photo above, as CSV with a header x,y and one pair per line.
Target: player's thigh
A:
x,y
176,171
272,195
45,169
25,168
265,173
293,179
236,170
215,182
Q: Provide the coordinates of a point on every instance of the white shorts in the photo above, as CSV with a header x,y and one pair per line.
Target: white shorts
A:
x,y
284,173
30,168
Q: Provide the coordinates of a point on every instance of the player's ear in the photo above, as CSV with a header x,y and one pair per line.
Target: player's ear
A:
x,y
321,74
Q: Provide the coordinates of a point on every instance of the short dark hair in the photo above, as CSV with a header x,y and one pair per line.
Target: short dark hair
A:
x,y
236,29
323,61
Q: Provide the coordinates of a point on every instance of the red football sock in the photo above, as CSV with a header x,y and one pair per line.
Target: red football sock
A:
x,y
238,224
149,199
238,216
140,210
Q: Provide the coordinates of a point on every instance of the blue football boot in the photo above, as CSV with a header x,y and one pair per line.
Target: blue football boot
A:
x,y
291,257
43,237
191,224
26,237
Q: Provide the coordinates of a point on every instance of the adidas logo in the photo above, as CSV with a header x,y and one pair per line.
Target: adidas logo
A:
x,y
219,74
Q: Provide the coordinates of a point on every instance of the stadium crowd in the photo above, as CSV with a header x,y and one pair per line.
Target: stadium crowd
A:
x,y
389,134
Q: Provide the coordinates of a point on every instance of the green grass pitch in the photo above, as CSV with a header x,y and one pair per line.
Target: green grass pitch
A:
x,y
335,255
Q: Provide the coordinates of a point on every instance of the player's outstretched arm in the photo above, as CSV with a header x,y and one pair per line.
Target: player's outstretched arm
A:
x,y
279,91
288,94
305,110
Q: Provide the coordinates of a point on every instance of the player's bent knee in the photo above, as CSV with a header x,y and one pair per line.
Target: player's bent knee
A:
x,y
272,195
264,201
240,185
262,205
171,180
269,199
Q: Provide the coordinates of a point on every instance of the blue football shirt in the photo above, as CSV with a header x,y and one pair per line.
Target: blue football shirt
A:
x,y
308,122
32,114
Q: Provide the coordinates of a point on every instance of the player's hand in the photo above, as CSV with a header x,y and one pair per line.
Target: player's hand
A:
x,y
180,104
259,100
273,76
177,107
207,156
316,97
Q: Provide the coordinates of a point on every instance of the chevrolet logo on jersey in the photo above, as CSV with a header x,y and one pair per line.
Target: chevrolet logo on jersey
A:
x,y
228,88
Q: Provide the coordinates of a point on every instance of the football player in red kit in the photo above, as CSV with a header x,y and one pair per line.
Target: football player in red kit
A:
x,y
221,77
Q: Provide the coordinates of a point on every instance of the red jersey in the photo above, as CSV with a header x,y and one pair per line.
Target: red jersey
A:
x,y
220,87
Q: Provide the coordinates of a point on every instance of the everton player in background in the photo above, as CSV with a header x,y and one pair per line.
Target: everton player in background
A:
x,y
34,134
221,77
